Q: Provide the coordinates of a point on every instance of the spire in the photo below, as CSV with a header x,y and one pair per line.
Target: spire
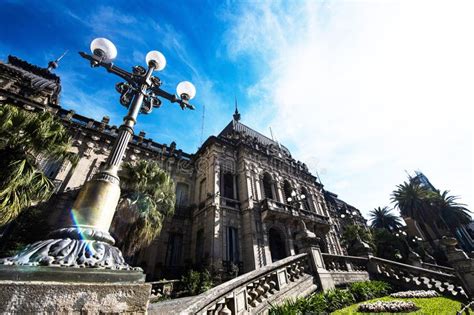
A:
x,y
236,113
54,64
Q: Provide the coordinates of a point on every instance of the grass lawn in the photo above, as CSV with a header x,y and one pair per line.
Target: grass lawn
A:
x,y
435,306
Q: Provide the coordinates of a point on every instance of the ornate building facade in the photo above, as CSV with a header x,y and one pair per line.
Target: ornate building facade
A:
x,y
232,194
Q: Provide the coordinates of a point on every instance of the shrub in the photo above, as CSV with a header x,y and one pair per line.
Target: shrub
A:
x,y
329,301
205,281
195,282
367,290
191,281
337,299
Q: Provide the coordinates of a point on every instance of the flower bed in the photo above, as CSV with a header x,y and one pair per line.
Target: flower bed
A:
x,y
415,294
391,306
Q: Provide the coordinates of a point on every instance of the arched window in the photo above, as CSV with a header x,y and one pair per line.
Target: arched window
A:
x,y
287,189
267,186
306,200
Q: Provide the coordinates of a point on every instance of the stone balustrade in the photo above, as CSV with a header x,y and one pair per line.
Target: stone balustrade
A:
x,y
346,269
254,291
272,208
301,275
437,268
345,263
415,277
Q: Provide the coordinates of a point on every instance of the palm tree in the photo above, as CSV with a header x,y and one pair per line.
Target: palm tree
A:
x,y
413,201
382,218
25,137
147,197
453,214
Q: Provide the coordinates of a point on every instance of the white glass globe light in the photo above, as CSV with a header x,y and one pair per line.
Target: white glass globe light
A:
x,y
303,196
343,216
293,193
156,57
289,199
186,88
105,47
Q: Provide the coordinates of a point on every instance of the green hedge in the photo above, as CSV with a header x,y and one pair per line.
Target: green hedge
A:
x,y
368,290
329,301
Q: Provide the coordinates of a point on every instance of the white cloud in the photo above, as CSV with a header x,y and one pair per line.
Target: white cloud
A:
x,y
366,90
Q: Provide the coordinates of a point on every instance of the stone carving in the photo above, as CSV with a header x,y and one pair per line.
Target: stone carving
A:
x,y
70,253
76,247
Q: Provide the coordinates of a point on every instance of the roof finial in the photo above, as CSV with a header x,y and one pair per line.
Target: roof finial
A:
x,y
236,113
54,64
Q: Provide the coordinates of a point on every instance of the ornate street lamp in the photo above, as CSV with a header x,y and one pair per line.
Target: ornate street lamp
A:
x,y
295,200
86,242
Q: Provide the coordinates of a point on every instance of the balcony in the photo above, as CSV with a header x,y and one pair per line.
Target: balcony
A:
x,y
230,203
274,209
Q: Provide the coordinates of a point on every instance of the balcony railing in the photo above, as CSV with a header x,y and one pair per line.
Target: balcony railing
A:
x,y
275,208
230,203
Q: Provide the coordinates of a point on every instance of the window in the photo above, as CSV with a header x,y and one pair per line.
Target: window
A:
x,y
182,195
173,250
199,253
306,201
267,186
202,190
228,186
287,189
232,251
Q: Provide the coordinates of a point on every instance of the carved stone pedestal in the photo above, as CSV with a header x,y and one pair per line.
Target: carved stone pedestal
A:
x,y
308,243
32,297
40,289
462,264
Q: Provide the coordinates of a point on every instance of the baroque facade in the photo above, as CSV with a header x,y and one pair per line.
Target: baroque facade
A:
x,y
231,207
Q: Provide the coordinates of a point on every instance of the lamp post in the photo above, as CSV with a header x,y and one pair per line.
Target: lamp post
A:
x,y
295,200
86,242
412,256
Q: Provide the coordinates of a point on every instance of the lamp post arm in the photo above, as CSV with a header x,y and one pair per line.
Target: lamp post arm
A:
x,y
172,98
109,66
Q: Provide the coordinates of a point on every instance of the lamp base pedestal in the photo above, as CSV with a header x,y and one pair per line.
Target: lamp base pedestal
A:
x,y
32,297
77,270
76,247
40,289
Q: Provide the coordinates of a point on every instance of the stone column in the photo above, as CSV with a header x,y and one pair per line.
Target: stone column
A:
x,y
258,187
309,245
462,264
278,193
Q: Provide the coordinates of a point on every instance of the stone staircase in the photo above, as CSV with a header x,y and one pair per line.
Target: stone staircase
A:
x,y
411,277
251,293
301,275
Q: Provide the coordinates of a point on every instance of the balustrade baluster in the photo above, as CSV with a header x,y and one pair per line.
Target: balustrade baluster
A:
x,y
252,295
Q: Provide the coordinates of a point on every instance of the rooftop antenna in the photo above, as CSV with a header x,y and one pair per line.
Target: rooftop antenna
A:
x,y
54,64
202,123
236,113
271,133
318,177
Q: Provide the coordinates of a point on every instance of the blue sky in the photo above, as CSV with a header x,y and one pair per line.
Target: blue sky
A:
x,y
359,90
